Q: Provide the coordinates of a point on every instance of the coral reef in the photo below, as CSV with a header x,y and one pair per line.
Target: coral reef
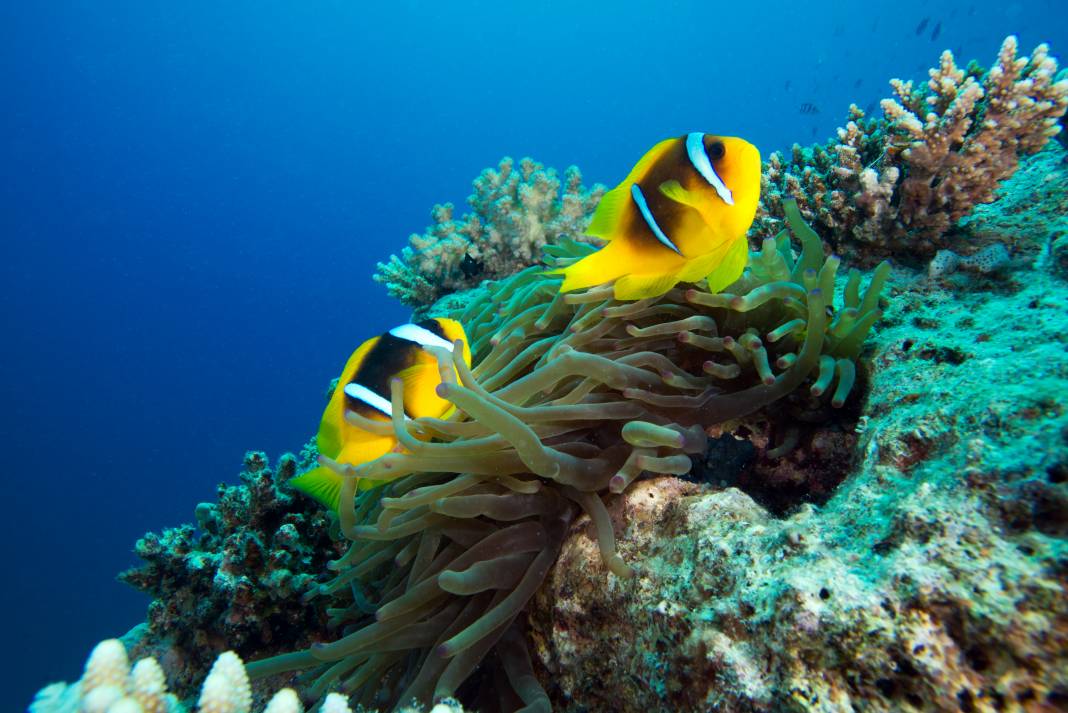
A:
x,y
110,685
572,397
907,550
515,211
896,186
935,577
237,582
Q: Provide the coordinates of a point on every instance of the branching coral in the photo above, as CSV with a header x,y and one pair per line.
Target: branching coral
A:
x,y
516,210
572,398
896,186
110,685
237,583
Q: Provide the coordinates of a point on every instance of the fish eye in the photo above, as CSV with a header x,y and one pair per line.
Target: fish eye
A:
x,y
716,150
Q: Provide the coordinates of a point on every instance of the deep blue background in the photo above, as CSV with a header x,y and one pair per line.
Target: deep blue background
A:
x,y
193,196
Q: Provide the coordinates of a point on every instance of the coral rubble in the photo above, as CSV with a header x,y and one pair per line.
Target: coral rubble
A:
x,y
896,186
515,211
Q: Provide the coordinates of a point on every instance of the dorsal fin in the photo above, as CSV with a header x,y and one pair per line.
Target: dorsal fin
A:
x,y
614,203
646,162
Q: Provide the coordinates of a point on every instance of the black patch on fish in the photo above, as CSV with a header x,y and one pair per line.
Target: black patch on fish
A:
x,y
388,357
434,326
470,267
922,26
809,108
673,165
936,32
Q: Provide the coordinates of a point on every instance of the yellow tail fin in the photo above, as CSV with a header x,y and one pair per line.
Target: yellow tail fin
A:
x,y
320,483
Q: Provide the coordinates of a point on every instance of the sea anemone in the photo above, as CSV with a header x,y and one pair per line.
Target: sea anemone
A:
x,y
572,397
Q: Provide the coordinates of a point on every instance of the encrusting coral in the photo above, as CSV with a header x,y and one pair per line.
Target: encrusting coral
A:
x,y
896,186
515,211
572,398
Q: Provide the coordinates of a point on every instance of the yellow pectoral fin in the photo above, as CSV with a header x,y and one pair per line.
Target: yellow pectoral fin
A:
x,y
420,391
320,483
674,190
731,267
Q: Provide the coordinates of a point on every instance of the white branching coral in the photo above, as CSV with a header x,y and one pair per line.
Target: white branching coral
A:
x,y
226,689
516,209
109,685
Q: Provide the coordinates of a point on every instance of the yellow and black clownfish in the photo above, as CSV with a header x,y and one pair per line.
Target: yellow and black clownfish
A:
x,y
681,215
364,389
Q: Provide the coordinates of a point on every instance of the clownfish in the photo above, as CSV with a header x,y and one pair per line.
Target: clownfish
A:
x,y
681,215
364,389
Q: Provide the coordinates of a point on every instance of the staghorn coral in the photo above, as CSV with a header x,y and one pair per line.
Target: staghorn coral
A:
x,y
235,584
515,211
896,186
573,397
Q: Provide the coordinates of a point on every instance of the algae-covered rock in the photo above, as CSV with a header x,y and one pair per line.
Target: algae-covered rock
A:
x,y
934,577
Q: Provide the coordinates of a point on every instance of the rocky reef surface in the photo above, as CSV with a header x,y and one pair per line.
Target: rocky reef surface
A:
x,y
935,574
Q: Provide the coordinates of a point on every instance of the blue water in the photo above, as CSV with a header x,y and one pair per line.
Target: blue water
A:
x,y
194,196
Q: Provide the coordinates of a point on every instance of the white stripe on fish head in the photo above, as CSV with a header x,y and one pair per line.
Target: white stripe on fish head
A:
x,y
420,335
363,394
695,149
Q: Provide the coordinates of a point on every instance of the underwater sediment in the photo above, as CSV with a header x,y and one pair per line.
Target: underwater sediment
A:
x,y
825,489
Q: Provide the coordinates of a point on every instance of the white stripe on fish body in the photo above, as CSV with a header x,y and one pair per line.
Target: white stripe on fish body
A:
x,y
643,207
375,401
420,335
695,149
